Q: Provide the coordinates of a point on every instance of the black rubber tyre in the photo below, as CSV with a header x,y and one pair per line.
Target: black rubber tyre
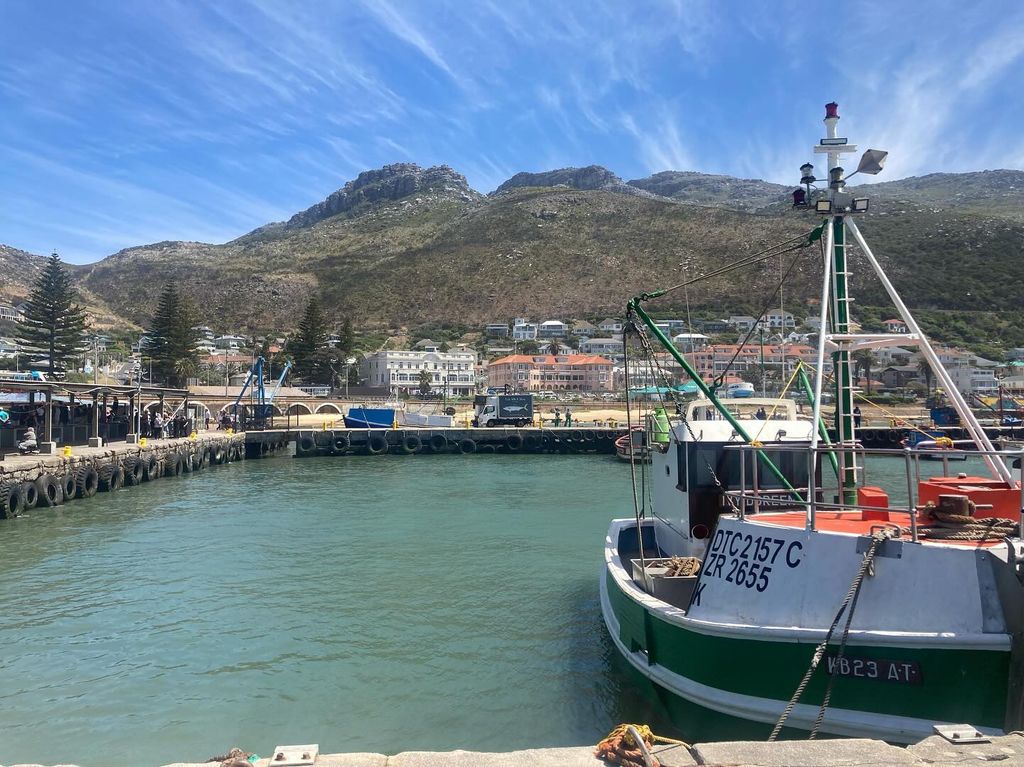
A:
x,y
548,441
576,435
264,449
152,470
68,485
376,444
486,449
491,423
305,445
12,500
467,446
340,443
589,435
186,461
172,465
217,455
133,470
31,494
514,442
115,480
411,444
50,491
88,481
438,443
532,442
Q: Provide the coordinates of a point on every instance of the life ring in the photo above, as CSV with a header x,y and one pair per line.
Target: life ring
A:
x,y
88,482
532,442
67,484
467,445
12,501
340,443
50,493
411,444
376,444
514,442
438,442
306,445
172,466
133,471
31,495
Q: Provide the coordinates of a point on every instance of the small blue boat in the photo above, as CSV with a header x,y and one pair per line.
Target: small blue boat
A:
x,y
370,418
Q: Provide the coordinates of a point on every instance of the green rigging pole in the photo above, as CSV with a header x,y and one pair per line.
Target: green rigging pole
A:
x,y
634,307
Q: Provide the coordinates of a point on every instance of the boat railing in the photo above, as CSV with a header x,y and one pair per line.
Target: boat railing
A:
x,y
752,498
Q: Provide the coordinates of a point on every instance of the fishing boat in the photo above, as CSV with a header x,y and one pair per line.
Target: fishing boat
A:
x,y
820,604
632,446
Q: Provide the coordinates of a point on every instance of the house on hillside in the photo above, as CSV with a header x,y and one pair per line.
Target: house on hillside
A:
x,y
777,319
610,326
742,322
690,342
584,329
602,346
552,329
524,331
898,376
895,326
496,330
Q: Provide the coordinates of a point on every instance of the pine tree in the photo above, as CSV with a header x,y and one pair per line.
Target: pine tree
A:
x,y
307,347
53,324
346,338
172,339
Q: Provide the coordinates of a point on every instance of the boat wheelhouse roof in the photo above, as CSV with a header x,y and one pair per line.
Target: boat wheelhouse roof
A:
x,y
742,408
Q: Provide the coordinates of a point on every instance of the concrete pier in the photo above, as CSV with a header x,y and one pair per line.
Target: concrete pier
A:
x,y
27,481
1007,750
416,440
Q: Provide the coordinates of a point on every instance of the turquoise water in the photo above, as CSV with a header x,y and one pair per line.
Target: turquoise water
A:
x,y
368,604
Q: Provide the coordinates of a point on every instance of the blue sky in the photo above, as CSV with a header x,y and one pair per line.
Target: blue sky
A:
x,y
126,122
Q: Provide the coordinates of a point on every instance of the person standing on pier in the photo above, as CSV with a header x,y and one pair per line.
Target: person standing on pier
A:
x,y
568,416
558,417
856,417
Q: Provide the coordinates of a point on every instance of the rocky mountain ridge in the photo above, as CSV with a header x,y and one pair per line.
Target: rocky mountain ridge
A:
x,y
407,244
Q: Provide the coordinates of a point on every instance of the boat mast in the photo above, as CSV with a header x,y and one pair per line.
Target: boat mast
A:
x,y
834,147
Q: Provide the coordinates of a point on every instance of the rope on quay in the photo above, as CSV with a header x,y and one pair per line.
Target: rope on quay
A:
x,y
629,745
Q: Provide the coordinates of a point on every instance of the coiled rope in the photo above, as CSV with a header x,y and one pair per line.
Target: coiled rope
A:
x,y
849,601
629,745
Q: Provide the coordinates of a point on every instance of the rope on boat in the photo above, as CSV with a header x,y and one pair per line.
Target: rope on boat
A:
x,y
850,600
630,744
948,525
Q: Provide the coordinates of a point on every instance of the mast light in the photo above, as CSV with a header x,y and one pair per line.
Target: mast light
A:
x,y
807,174
832,110
860,205
872,162
835,178
823,205
799,198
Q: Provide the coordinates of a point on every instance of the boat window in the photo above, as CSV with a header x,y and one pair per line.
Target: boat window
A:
x,y
681,470
708,463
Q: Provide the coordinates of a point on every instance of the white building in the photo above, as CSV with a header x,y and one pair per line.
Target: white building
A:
x,y
524,331
11,313
690,342
229,342
496,330
777,319
610,326
399,371
602,346
552,329
742,322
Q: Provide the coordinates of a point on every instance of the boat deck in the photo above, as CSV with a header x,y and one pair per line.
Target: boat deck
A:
x,y
860,522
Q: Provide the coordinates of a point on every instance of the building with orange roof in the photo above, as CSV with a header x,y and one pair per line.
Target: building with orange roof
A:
x,y
549,372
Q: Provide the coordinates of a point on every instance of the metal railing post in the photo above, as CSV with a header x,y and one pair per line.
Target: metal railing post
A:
x,y
812,489
743,483
757,494
911,506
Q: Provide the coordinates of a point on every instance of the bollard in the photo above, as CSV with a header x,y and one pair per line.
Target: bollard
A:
x,y
67,451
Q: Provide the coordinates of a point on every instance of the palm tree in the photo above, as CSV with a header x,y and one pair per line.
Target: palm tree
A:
x,y
926,372
865,360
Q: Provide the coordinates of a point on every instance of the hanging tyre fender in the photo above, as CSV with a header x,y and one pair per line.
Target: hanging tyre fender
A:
x,y
116,479
172,465
376,444
88,482
67,484
514,442
12,500
532,442
217,454
305,444
576,435
486,449
438,442
589,435
186,461
467,446
50,492
31,495
133,470
152,468
411,444
340,443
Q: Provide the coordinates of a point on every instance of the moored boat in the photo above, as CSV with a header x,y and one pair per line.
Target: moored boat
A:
x,y
821,604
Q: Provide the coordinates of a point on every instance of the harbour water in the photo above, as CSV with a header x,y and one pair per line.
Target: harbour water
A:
x,y
368,604
375,604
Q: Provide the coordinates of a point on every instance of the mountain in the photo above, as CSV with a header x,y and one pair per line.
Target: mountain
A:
x,y
403,244
707,189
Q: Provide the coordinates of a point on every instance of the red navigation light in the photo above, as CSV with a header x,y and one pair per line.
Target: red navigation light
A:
x,y
831,110
799,198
